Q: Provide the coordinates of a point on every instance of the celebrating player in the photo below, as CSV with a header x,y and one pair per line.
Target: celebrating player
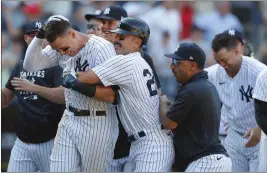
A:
x,y
138,104
86,133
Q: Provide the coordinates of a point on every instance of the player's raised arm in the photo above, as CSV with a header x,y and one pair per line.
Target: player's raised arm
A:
x,y
37,58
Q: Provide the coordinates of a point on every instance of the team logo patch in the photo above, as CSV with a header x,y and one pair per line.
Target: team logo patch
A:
x,y
38,24
231,32
246,95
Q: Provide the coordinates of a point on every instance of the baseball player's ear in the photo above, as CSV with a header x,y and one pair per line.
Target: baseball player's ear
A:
x,y
72,34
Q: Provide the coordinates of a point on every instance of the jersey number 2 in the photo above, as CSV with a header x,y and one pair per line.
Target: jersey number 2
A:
x,y
150,82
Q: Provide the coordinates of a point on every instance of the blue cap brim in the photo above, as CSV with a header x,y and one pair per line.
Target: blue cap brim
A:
x,y
173,56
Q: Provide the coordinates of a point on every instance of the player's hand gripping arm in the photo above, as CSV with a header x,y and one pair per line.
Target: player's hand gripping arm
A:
x,y
52,94
163,109
99,92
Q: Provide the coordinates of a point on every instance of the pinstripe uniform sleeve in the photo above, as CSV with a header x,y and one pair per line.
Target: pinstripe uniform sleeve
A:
x,y
53,55
115,71
260,91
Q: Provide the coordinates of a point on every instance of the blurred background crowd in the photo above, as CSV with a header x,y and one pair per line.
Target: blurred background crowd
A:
x,y
171,22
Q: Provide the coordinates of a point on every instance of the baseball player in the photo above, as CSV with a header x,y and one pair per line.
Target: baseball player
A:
x,y
260,101
86,133
113,14
39,115
235,79
110,19
194,117
138,103
245,49
94,25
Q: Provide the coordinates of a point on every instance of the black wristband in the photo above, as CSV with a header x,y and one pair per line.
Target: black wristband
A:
x,y
85,89
40,33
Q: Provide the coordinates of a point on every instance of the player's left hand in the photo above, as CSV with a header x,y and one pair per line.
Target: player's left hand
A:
x,y
254,137
22,84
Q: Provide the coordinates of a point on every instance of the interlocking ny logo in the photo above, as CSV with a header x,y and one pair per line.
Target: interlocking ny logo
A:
x,y
247,94
231,32
38,24
80,66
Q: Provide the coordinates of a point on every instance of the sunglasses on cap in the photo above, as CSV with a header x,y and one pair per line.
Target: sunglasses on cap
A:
x,y
93,27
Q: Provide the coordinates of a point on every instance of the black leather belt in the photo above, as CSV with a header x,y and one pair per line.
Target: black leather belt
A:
x,y
79,112
141,134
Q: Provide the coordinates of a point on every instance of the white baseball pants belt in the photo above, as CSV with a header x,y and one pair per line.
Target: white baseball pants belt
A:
x,y
141,134
79,112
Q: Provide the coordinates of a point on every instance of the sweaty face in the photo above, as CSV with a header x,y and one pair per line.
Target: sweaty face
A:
x,y
108,25
94,26
227,58
181,70
125,44
66,44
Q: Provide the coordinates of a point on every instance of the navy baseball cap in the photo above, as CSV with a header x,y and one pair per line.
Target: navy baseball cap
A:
x,y
189,52
238,35
113,13
33,26
93,16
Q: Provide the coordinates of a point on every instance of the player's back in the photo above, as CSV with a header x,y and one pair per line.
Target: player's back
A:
x,y
139,99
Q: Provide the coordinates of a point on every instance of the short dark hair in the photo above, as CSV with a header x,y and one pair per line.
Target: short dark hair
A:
x,y
55,29
223,40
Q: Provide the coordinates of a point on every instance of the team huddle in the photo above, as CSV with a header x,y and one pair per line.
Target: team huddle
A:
x,y
114,116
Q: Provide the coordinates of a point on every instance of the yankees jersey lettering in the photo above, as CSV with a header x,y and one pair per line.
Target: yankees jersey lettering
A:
x,y
236,93
94,52
138,98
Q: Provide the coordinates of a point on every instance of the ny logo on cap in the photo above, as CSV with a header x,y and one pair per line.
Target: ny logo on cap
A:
x,y
107,11
231,32
38,24
191,58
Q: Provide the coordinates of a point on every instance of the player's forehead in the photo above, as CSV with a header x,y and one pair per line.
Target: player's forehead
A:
x,y
59,43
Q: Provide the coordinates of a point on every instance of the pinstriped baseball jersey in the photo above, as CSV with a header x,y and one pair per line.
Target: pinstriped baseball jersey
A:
x,y
94,52
260,91
236,93
139,103
212,78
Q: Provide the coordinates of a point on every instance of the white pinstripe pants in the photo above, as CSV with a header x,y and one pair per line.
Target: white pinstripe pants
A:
x,y
84,144
243,159
211,163
152,153
27,157
263,153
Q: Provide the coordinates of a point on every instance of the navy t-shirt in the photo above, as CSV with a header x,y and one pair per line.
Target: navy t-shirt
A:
x,y
196,109
38,118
